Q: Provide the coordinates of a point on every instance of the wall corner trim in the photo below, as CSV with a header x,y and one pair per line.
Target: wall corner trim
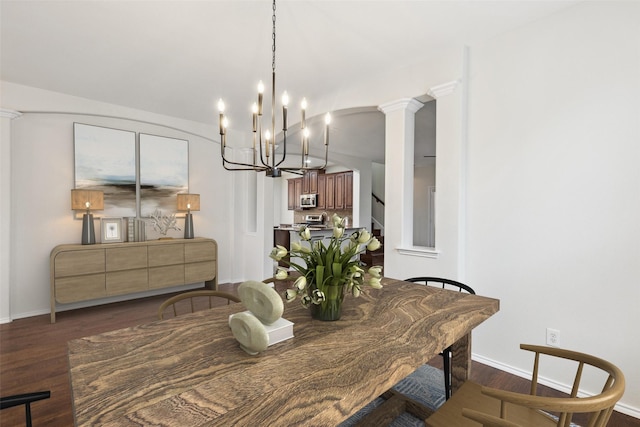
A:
x,y
443,89
401,104
11,114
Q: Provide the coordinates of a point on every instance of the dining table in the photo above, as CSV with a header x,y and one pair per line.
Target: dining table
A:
x,y
190,371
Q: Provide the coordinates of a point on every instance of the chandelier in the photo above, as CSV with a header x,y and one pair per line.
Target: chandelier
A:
x,y
264,145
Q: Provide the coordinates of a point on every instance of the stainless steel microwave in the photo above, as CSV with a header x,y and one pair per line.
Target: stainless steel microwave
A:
x,y
308,200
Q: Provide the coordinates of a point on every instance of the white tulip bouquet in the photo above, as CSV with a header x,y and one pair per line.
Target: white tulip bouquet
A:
x,y
330,271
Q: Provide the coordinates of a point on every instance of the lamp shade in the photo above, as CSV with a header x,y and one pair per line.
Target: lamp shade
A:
x,y
82,200
188,202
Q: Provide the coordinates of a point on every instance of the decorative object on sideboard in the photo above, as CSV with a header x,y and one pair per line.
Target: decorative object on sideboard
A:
x,y
111,230
267,149
163,223
85,200
188,202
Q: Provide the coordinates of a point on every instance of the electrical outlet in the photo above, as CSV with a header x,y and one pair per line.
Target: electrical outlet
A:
x,y
553,337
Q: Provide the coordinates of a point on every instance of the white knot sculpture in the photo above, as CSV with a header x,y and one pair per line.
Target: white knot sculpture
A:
x,y
265,308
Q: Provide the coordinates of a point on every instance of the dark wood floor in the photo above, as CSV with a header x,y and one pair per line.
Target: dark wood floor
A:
x,y
33,357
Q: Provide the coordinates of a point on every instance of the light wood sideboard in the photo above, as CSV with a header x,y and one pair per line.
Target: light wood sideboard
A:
x,y
87,272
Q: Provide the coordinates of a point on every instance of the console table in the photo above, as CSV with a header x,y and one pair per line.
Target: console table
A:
x,y
87,272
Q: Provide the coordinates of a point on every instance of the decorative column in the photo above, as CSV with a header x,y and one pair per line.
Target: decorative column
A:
x,y
399,149
5,212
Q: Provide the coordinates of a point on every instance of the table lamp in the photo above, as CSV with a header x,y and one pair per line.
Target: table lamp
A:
x,y
188,202
85,200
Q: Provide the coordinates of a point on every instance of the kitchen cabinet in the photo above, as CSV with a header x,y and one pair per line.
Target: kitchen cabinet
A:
x,y
339,191
348,190
334,190
282,238
297,193
310,181
321,201
330,189
291,194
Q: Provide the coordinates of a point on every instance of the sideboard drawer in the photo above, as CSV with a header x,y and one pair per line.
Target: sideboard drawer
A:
x,y
80,288
199,271
196,252
76,263
169,254
128,258
163,277
126,282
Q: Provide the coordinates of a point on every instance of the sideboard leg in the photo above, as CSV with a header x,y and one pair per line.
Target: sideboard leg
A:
x,y
212,284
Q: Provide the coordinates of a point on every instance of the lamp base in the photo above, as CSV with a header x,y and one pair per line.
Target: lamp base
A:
x,y
88,232
188,226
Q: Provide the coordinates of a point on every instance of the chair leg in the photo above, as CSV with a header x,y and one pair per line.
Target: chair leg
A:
x,y
27,408
446,359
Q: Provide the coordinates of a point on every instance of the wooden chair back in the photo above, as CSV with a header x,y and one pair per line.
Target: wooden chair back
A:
x,y
198,300
498,408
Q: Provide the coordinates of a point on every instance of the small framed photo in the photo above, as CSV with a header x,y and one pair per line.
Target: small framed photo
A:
x,y
111,230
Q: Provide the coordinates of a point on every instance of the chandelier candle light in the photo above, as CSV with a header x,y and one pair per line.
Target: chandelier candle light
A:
x,y
267,148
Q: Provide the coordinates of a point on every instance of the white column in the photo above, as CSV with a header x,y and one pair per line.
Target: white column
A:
x,y
6,237
399,149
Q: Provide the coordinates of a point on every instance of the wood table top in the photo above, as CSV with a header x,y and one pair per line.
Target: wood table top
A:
x,y
190,371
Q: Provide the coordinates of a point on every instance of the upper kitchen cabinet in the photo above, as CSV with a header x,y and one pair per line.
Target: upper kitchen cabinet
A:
x,y
310,181
348,190
321,201
334,190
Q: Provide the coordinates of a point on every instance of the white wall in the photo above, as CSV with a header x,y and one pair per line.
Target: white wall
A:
x,y
538,200
554,187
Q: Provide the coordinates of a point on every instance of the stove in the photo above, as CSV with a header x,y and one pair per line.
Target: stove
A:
x,y
314,219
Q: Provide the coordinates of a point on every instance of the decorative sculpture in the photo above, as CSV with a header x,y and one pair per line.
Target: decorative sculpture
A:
x,y
163,223
262,325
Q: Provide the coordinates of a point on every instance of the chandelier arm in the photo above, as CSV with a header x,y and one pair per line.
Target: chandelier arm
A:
x,y
243,169
248,165
264,164
284,149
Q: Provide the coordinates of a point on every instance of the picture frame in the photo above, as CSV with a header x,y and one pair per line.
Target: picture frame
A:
x,y
163,172
105,160
111,229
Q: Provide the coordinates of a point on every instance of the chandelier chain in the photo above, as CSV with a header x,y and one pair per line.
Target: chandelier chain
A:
x,y
273,37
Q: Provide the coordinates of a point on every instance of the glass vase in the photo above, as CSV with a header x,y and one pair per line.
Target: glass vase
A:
x,y
331,308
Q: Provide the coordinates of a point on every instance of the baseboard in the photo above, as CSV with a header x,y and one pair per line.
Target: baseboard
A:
x,y
620,407
108,300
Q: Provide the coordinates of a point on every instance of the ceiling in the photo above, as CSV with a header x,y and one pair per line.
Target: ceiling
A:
x,y
177,58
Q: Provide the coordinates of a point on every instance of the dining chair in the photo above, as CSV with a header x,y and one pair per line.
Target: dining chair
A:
x,y
24,399
446,353
473,403
196,303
